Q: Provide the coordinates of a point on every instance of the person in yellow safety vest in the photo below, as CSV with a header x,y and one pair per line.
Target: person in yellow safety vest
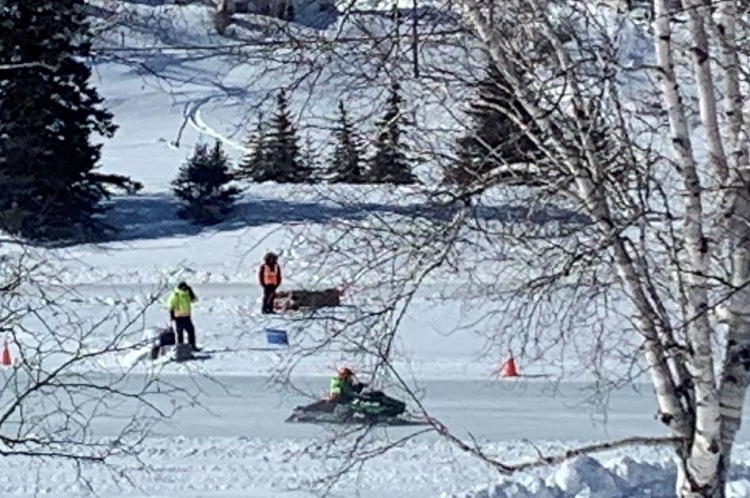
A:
x,y
180,312
343,387
269,276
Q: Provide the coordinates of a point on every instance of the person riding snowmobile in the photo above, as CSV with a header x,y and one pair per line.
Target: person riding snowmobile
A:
x,y
343,387
347,403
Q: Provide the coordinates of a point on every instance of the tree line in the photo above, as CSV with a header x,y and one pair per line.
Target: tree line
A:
x,y
50,186
275,153
491,142
206,185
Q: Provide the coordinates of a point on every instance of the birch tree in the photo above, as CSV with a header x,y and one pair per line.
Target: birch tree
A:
x,y
655,224
699,403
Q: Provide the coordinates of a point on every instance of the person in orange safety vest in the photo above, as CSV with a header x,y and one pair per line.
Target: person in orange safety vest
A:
x,y
269,277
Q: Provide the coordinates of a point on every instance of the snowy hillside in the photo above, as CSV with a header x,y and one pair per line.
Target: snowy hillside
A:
x,y
208,86
172,82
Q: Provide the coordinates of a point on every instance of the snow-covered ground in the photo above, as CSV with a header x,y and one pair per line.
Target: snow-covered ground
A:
x,y
242,448
239,446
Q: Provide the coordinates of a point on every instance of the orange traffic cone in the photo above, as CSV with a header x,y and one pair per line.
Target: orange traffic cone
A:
x,y
6,360
509,368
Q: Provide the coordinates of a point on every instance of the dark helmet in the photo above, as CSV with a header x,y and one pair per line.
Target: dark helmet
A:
x,y
270,257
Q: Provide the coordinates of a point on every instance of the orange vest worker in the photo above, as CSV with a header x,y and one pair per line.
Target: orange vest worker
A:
x,y
270,271
270,276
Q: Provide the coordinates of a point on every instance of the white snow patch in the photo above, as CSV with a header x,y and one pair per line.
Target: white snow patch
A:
x,y
587,477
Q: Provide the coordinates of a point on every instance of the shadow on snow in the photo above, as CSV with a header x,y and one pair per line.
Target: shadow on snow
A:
x,y
155,216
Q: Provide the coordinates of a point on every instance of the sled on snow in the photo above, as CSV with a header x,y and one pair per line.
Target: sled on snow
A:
x,y
181,354
295,300
159,347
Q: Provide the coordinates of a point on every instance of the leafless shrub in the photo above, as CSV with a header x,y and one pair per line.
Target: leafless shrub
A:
x,y
66,395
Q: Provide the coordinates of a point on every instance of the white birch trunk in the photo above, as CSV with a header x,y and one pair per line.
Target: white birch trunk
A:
x,y
735,376
699,469
665,373
226,7
709,417
671,410
698,16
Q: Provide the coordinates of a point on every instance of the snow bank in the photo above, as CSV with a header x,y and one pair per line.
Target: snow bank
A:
x,y
196,466
584,476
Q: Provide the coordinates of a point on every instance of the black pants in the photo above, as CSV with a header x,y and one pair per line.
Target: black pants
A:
x,y
269,295
184,323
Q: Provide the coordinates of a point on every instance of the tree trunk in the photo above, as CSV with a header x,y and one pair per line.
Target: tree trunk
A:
x,y
708,416
226,7
696,464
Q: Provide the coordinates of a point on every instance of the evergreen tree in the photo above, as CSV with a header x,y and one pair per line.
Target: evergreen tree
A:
x,y
494,140
255,165
47,119
346,163
202,186
284,161
390,163
310,160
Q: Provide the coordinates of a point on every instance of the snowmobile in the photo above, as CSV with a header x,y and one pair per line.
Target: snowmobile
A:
x,y
367,408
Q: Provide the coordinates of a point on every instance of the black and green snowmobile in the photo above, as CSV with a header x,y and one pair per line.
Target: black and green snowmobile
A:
x,y
369,408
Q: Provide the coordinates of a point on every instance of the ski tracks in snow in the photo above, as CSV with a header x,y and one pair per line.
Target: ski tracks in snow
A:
x,y
192,116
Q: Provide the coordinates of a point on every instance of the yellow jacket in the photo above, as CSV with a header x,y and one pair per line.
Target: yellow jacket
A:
x,y
180,303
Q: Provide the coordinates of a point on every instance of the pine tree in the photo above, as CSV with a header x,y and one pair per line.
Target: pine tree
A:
x,y
47,120
346,163
494,140
310,160
255,165
202,186
390,163
284,161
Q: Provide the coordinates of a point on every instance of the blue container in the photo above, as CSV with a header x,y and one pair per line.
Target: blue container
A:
x,y
276,336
